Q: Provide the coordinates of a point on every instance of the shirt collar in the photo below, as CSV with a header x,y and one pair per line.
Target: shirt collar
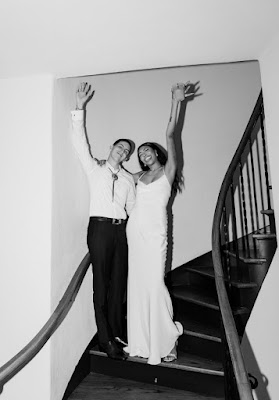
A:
x,y
112,169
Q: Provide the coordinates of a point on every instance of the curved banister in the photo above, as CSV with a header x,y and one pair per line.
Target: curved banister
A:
x,y
15,364
242,381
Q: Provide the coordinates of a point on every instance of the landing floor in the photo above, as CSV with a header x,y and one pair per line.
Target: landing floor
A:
x,y
103,387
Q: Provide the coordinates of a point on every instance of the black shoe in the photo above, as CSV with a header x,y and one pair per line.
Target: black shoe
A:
x,y
120,342
113,351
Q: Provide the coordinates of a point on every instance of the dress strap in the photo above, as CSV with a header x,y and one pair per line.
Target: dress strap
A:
x,y
141,175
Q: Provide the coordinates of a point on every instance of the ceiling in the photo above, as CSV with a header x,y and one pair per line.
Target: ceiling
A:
x,y
86,37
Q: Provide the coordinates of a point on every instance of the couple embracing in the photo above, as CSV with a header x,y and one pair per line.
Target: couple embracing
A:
x,y
116,195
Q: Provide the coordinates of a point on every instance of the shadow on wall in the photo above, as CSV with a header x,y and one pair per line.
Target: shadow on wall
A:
x,y
259,381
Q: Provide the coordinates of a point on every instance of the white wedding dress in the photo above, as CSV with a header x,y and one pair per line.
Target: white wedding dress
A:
x,y
152,333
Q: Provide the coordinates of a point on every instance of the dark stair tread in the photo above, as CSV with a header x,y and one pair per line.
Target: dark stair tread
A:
x,y
200,330
252,258
244,285
194,295
202,270
201,261
204,259
209,272
101,386
262,236
185,361
177,276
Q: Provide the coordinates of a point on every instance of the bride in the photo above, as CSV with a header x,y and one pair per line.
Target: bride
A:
x,y
152,333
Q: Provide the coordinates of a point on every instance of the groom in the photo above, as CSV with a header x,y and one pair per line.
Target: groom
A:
x,y
112,197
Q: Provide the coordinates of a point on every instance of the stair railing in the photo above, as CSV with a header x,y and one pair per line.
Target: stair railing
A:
x,y
244,193
15,364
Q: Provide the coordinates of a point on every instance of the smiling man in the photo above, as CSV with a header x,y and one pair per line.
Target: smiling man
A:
x,y
112,197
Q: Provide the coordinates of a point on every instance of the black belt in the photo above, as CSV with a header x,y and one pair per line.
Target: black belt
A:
x,y
113,221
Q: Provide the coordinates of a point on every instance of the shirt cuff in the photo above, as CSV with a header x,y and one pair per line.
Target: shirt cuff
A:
x,y
77,115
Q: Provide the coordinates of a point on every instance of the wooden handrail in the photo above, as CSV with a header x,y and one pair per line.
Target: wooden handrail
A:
x,y
232,338
15,364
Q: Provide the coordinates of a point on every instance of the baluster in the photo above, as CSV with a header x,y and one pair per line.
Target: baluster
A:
x,y
265,163
243,199
250,196
234,226
260,189
226,238
254,185
241,221
254,195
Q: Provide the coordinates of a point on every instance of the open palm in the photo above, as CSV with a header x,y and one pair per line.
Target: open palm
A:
x,y
83,95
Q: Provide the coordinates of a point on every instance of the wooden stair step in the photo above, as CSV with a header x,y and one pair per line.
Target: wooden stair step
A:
x,y
200,330
201,261
204,259
103,387
196,296
262,236
180,276
209,272
189,372
202,270
243,256
244,285
185,362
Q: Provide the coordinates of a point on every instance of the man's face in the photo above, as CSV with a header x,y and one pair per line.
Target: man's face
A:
x,y
120,151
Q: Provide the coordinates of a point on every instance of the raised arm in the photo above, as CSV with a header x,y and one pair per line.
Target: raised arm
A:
x,y
179,92
83,95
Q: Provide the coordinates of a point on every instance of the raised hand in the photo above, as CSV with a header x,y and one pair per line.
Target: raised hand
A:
x,y
181,90
83,94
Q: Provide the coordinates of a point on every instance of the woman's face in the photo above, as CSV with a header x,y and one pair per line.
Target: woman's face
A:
x,y
147,155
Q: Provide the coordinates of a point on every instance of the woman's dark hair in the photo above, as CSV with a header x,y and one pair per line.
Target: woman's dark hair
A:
x,y
162,158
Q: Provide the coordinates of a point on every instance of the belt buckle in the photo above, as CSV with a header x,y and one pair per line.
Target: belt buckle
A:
x,y
116,221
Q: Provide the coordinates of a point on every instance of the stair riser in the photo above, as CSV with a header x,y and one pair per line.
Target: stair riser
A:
x,y
197,382
239,270
272,224
240,322
196,312
266,247
243,297
258,273
177,278
192,278
202,281
205,315
200,346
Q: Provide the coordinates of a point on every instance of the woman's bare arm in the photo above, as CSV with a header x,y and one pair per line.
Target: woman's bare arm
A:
x,y
179,93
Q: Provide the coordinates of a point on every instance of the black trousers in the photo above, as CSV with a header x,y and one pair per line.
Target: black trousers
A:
x,y
107,244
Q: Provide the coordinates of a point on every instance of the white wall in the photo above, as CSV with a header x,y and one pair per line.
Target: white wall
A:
x,y
70,218
25,229
260,346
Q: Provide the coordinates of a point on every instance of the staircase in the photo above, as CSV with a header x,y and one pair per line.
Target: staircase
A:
x,y
199,364
199,367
